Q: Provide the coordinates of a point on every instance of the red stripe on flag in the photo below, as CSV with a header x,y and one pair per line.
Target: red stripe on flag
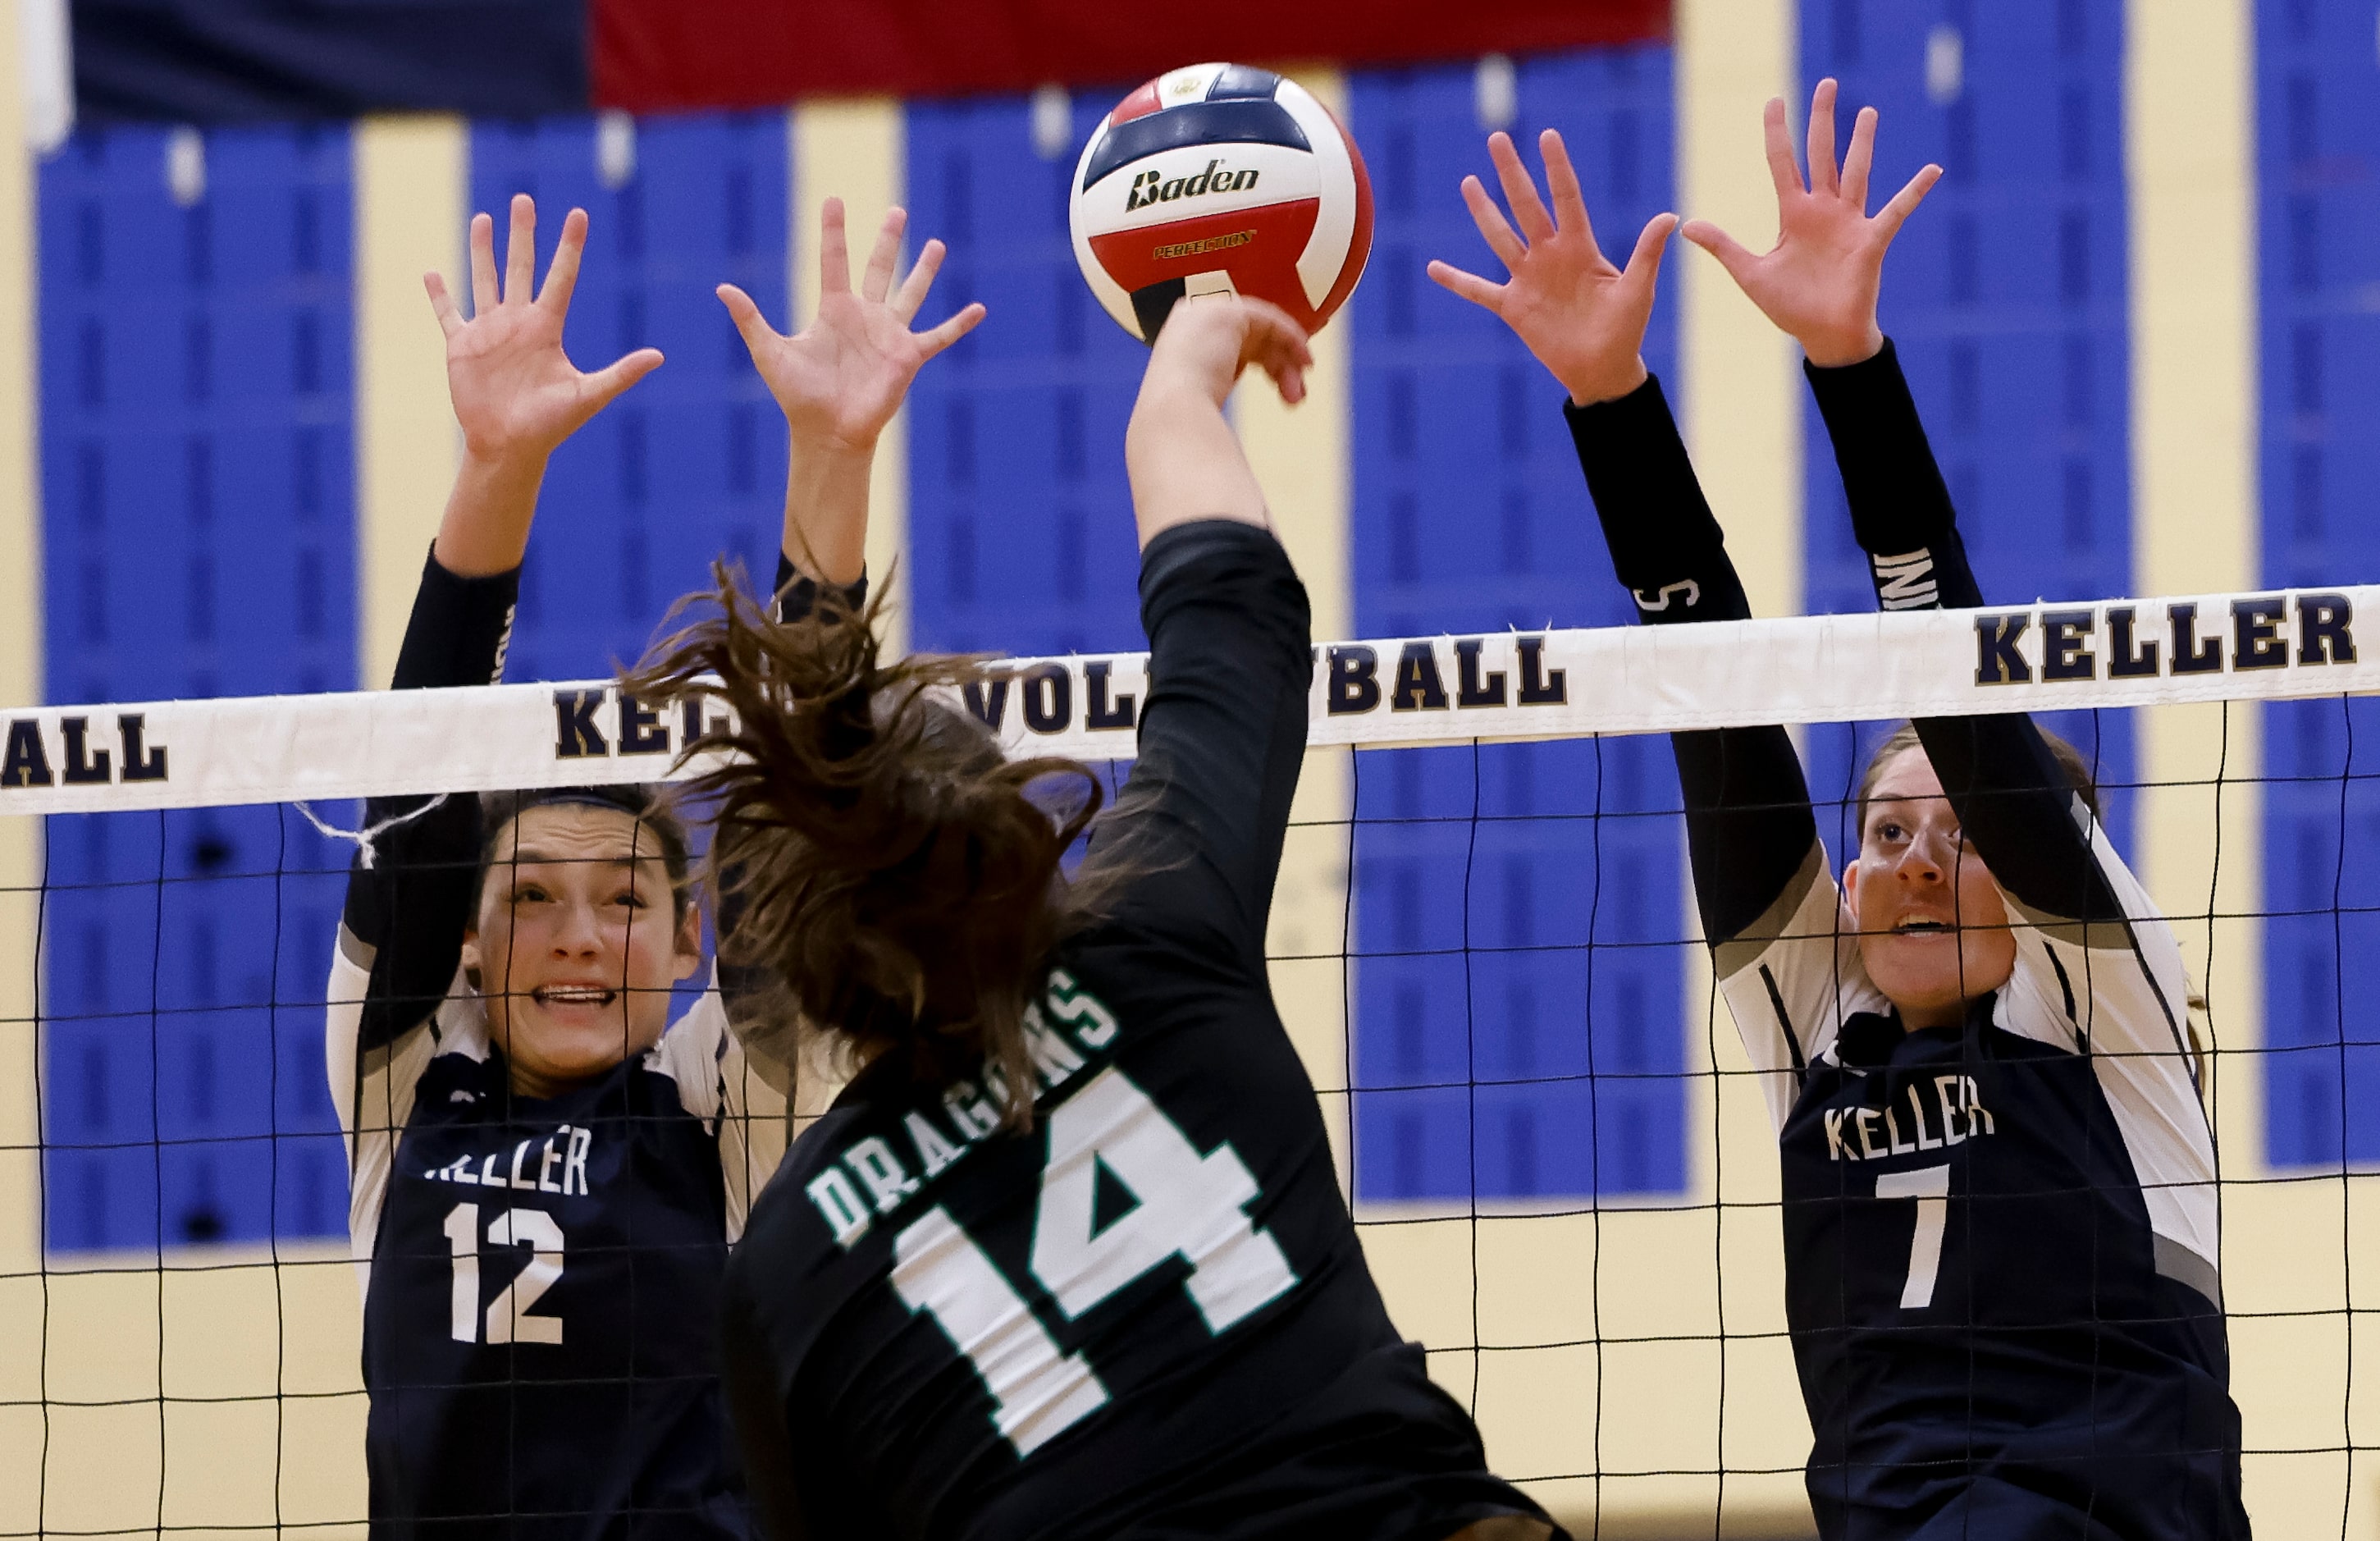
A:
x,y
652,55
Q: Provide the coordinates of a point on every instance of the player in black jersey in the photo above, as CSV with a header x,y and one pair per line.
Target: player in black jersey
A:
x,y
1999,1202
1068,1258
547,1173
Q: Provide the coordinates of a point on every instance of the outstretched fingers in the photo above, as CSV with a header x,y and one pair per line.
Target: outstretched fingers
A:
x,y
835,251
877,281
1823,176
520,250
562,273
933,342
911,296
1730,252
1857,164
1644,262
601,388
750,324
1904,203
1520,189
441,304
1469,286
1561,180
1493,228
1782,169
484,264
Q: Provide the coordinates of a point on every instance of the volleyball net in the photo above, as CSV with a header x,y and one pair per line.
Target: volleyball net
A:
x,y
1483,944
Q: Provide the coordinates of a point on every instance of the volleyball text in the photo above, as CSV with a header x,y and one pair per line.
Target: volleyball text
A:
x,y
2112,642
29,758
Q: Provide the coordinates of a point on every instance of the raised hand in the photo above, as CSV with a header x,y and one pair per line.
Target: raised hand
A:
x,y
1179,452
1819,282
839,380
1209,339
517,394
1581,317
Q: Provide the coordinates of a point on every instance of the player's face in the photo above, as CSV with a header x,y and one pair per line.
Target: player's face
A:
x,y
1932,930
577,943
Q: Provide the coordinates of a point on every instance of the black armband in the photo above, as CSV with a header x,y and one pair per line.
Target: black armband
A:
x,y
1902,512
797,593
1666,545
458,629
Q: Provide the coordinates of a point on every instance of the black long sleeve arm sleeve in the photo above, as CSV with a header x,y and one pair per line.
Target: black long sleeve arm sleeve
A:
x,y
1222,738
1749,828
411,903
2013,799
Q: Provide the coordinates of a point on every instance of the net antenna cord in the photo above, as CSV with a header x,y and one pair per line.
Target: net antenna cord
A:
x,y
1508,686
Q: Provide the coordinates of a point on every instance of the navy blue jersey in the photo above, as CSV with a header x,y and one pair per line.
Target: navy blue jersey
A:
x,y
540,1330
2000,1238
541,1277
1150,1316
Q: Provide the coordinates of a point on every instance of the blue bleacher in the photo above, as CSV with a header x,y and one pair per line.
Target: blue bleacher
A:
x,y
197,468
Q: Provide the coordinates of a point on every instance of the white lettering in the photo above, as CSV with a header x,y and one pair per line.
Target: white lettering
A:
x,y
575,1168
847,1216
1079,1008
1975,1108
1917,1111
488,1178
461,1172
1892,1135
1943,1087
1868,1144
545,1182
876,1165
970,1110
934,1152
518,1151
1052,1056
1836,1150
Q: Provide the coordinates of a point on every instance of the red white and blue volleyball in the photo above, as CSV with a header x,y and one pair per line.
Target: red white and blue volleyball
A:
x,y
1220,178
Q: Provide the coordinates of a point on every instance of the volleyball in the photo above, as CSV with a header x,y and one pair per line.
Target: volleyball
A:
x,y
1220,178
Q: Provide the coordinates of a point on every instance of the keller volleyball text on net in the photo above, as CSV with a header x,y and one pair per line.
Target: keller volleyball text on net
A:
x,y
1514,685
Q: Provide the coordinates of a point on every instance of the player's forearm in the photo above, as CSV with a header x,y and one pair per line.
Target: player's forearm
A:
x,y
1900,508
1748,819
1666,545
825,534
1183,461
485,530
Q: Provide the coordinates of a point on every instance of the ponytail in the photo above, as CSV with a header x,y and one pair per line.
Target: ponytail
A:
x,y
877,853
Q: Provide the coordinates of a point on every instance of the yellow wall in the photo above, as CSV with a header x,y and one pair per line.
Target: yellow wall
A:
x,y
855,151
411,185
20,865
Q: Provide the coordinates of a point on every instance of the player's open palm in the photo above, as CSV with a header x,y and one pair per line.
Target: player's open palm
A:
x,y
516,394
839,380
1819,283
1584,318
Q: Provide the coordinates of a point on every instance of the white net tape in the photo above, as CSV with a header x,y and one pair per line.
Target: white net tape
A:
x,y
1404,693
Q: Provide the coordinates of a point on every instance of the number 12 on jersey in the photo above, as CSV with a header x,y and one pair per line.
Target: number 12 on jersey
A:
x,y
1190,1206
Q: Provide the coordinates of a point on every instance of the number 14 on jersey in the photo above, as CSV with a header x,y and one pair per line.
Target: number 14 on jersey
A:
x,y
1190,1206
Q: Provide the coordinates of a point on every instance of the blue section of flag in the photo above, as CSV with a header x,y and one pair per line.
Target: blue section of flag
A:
x,y
196,467
2318,218
2006,295
1520,1024
220,61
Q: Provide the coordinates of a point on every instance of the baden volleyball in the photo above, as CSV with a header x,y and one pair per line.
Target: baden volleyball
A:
x,y
1220,178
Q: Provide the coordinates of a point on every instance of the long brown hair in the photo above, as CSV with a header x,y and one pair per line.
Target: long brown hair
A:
x,y
882,859
2070,760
